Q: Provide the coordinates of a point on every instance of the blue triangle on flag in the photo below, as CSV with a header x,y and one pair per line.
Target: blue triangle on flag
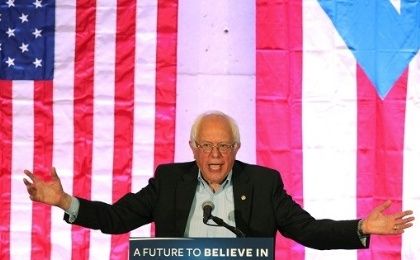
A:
x,y
382,39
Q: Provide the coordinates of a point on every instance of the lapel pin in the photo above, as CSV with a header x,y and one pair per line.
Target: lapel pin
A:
x,y
243,197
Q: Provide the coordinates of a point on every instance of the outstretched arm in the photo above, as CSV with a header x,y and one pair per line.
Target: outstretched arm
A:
x,y
378,223
49,192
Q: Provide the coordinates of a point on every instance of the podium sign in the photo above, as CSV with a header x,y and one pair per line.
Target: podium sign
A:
x,y
201,248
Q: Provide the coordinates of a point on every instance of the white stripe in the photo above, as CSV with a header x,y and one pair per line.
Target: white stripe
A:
x,y
103,118
216,68
22,158
144,113
411,178
329,113
61,243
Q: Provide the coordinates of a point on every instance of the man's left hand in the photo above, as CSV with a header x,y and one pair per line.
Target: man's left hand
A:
x,y
378,223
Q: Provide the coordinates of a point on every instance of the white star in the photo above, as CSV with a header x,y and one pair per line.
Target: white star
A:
x,y
38,3
0,17
397,5
0,47
10,62
10,32
37,63
10,3
37,33
24,47
23,18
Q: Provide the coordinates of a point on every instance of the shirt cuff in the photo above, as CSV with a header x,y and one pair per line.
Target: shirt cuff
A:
x,y
362,237
73,211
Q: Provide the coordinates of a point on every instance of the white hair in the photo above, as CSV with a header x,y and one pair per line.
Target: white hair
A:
x,y
197,122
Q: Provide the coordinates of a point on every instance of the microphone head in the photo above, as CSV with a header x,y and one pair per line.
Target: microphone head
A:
x,y
207,204
207,207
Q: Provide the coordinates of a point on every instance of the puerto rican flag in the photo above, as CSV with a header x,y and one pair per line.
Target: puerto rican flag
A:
x,y
324,91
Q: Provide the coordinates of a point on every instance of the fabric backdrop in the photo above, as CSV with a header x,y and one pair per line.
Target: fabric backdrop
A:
x,y
326,92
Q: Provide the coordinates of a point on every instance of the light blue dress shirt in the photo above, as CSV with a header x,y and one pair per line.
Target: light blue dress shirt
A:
x,y
223,208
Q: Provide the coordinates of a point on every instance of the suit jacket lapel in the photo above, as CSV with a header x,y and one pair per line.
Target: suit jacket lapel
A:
x,y
185,191
243,194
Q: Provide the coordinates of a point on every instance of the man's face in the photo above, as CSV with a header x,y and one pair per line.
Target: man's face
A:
x,y
214,165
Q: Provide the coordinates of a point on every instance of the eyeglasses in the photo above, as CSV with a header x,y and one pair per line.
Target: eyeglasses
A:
x,y
221,147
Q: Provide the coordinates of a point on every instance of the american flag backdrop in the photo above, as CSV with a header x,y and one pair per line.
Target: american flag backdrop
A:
x,y
324,91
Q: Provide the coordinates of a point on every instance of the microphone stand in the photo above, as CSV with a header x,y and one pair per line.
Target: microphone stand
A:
x,y
220,222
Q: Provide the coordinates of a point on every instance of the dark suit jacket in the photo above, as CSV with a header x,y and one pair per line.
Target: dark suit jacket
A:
x,y
262,207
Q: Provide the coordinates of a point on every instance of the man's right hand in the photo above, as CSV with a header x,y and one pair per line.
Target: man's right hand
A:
x,y
49,192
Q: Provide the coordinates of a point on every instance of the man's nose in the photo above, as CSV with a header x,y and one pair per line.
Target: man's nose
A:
x,y
215,152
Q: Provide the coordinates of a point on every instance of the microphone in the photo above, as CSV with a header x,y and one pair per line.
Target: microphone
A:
x,y
207,207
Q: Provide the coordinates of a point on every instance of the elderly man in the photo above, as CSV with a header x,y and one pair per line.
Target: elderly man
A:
x,y
248,197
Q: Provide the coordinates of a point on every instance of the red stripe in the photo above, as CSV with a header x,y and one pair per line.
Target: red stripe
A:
x,y
83,116
124,113
278,100
380,157
5,166
166,40
43,138
166,81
